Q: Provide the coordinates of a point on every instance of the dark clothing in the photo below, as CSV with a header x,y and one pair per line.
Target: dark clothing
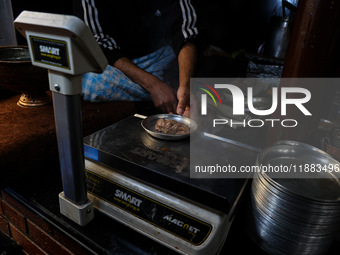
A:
x,y
135,28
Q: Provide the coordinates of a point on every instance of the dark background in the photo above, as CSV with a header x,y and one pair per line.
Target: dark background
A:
x,y
230,24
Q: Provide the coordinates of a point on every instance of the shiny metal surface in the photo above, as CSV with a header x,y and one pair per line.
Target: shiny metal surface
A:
x,y
149,126
166,163
34,100
12,54
317,185
278,37
67,112
260,103
19,75
294,215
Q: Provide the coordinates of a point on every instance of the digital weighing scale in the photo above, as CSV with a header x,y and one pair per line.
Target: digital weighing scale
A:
x,y
145,183
139,180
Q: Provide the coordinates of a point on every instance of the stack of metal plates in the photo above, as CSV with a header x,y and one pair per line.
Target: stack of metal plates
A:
x,y
298,214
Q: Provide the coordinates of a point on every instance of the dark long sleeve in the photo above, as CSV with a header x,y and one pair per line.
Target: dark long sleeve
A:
x,y
134,28
182,22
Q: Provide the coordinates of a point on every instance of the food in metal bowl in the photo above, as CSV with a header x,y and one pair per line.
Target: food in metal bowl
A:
x,y
171,127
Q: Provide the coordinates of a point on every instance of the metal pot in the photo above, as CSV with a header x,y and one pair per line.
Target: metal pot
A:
x,y
19,75
335,137
278,38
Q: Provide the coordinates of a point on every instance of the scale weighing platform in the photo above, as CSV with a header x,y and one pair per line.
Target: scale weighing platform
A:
x,y
145,183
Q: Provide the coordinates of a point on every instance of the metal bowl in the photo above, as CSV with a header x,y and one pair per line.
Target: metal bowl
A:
x,y
19,75
150,122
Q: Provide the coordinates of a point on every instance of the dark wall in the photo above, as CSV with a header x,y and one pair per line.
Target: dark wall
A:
x,y
61,6
239,24
230,24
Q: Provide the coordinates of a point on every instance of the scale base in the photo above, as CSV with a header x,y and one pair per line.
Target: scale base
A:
x,y
81,214
174,221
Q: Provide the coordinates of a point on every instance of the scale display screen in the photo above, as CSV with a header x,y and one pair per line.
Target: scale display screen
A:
x,y
50,52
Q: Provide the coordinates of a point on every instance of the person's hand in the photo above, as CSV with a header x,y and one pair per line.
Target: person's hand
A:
x,y
183,96
191,108
163,97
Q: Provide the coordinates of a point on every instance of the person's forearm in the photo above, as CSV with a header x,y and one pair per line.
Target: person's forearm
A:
x,y
135,73
187,62
187,59
162,95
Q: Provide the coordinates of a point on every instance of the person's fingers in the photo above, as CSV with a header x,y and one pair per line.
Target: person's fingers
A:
x,y
169,105
183,96
181,106
187,112
164,98
174,107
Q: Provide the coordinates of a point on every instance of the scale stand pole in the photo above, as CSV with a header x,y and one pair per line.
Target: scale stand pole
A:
x,y
66,90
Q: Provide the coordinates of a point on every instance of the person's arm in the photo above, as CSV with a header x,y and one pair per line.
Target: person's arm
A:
x,y
95,14
162,95
185,40
186,62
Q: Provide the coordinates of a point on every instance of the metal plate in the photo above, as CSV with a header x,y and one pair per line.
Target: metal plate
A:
x,y
294,215
149,125
317,185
